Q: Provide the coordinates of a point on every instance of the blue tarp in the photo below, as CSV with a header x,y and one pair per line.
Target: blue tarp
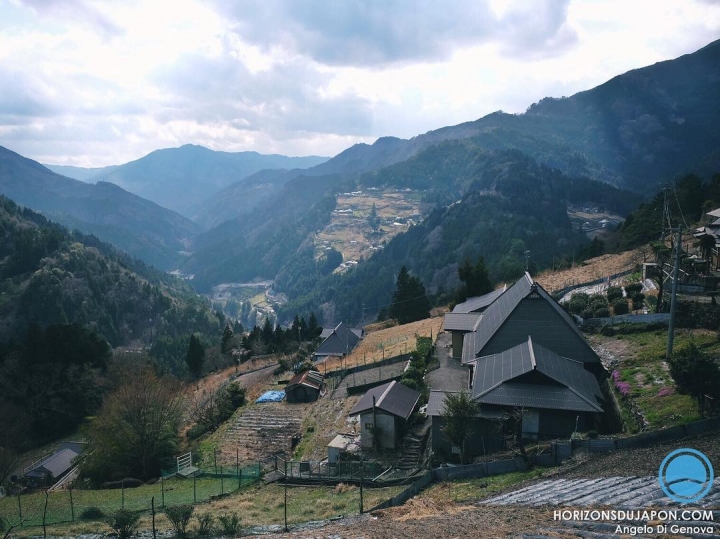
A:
x,y
272,396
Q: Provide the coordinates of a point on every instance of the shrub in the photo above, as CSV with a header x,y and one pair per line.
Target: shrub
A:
x,y
229,524
597,300
587,313
179,517
613,293
633,288
578,303
620,306
592,434
638,300
205,524
92,513
602,312
124,523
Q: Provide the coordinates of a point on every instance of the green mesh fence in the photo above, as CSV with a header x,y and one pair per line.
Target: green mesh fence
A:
x,y
73,504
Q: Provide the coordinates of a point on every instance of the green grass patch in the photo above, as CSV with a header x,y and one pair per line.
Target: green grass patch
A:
x,y
462,490
643,367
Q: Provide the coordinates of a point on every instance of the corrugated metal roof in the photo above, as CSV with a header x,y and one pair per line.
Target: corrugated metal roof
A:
x,y
341,341
57,463
479,303
714,213
527,309
494,371
392,397
307,378
436,406
537,396
461,321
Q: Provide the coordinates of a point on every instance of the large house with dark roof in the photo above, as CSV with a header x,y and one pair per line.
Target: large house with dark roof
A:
x,y
525,353
465,317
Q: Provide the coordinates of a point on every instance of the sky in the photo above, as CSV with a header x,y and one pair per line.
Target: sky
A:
x,y
96,83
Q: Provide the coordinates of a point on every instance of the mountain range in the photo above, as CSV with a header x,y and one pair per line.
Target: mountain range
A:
x,y
181,178
609,146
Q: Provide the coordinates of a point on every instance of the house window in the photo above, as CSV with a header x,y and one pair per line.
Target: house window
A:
x,y
368,426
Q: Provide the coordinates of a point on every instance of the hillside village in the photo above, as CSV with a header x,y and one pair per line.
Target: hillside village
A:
x,y
503,326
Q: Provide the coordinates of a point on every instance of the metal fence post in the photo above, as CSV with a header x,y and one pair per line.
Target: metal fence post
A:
x,y
152,507
162,490
237,465
122,505
222,483
20,509
194,488
72,506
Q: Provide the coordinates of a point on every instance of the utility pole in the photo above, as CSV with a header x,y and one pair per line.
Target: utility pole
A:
x,y
673,296
527,260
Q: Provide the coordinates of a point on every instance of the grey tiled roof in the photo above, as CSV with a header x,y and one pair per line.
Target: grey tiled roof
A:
x,y
479,303
497,378
393,397
57,463
461,321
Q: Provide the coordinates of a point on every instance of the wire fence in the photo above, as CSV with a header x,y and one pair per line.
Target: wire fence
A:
x,y
71,504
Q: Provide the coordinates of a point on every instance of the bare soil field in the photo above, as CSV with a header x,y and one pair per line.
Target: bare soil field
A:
x,y
385,343
594,268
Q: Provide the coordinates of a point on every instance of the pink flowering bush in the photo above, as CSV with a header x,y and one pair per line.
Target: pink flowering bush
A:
x,y
622,387
665,391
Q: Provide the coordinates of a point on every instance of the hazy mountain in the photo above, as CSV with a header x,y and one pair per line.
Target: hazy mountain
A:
x,y
182,178
135,225
80,173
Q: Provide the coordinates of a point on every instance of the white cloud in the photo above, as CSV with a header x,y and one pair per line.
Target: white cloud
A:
x,y
97,83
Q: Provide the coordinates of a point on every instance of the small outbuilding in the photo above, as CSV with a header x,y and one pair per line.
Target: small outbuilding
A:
x,y
338,341
306,386
54,467
384,411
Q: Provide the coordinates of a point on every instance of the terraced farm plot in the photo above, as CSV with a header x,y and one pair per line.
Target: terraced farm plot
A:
x,y
349,231
263,430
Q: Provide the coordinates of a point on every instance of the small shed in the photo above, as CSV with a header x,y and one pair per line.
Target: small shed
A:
x,y
306,386
384,411
55,466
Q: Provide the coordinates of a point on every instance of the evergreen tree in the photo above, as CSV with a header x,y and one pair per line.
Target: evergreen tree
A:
x,y
238,328
409,301
227,340
195,357
373,220
476,279
314,328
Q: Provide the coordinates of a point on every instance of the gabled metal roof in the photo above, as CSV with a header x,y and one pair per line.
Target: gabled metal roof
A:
x,y
461,321
306,378
340,341
532,312
393,398
56,464
479,303
504,369
436,406
714,213
537,396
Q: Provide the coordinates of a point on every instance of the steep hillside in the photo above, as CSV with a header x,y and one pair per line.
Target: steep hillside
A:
x,y
181,178
138,226
51,276
511,205
80,173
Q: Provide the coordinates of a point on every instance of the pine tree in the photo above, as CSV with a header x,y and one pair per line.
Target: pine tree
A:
x,y
476,279
227,340
195,357
409,302
314,329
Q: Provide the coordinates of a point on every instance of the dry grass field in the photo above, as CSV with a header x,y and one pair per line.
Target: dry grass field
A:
x,y
386,343
594,268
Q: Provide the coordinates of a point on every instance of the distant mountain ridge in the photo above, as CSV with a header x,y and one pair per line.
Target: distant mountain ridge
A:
x,y
181,178
135,225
